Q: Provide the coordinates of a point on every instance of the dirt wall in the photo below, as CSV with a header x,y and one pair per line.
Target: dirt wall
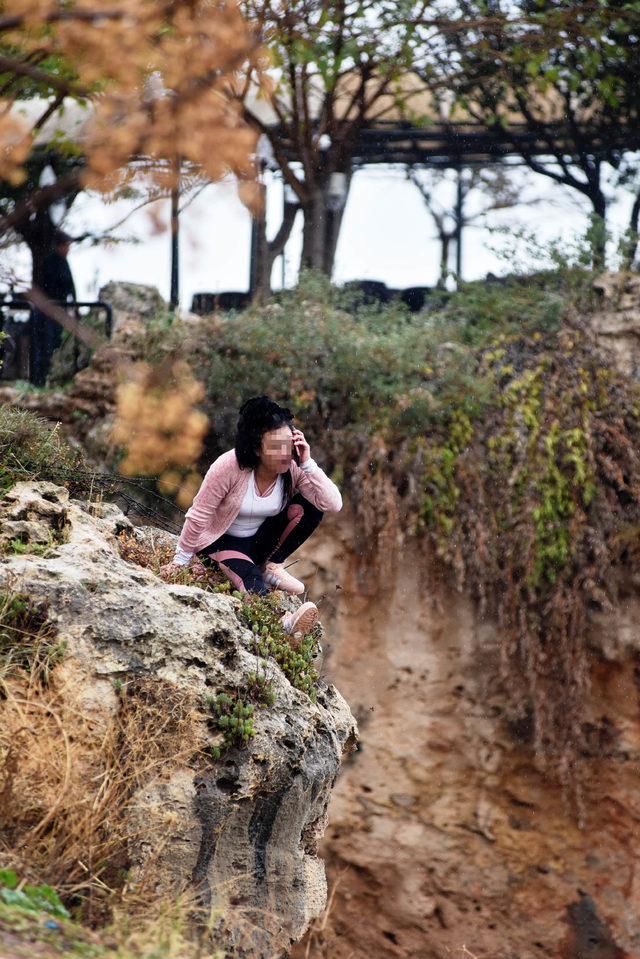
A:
x,y
444,839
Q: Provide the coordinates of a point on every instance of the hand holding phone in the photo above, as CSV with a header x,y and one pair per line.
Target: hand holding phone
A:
x,y
300,448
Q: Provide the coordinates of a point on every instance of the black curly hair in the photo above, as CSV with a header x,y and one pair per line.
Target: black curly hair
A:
x,y
257,416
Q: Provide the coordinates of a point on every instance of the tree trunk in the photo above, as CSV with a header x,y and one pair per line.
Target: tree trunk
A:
x,y
334,222
257,273
598,230
322,230
38,235
267,251
591,187
632,245
314,236
445,242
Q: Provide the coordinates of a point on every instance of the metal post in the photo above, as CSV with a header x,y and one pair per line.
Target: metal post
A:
x,y
258,237
253,255
174,296
283,263
459,224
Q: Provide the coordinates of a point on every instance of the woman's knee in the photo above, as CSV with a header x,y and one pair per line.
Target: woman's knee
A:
x,y
308,508
245,575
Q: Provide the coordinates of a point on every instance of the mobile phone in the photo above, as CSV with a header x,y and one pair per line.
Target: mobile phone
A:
x,y
294,452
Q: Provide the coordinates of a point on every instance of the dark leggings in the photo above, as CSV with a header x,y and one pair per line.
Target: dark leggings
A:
x,y
240,557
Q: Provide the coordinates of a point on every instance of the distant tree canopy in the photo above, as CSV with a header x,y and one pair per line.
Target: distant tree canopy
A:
x,y
568,72
173,85
338,64
161,77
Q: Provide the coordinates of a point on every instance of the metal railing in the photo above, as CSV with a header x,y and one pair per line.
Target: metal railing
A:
x,y
16,315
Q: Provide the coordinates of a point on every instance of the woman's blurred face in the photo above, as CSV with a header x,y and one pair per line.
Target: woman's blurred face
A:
x,y
275,450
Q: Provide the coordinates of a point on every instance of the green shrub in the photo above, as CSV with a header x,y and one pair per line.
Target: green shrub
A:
x,y
27,639
380,368
30,448
41,898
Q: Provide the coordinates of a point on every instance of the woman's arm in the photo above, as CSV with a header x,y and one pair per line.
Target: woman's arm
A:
x,y
213,489
312,481
316,486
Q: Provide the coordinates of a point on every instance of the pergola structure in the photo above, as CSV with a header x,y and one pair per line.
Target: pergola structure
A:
x,y
439,138
454,144
459,145
412,126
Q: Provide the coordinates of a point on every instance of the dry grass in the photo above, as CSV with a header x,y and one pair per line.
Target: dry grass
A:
x,y
153,554
68,771
76,763
378,524
28,644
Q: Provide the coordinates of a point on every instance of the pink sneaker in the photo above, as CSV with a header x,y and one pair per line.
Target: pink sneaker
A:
x,y
302,620
276,575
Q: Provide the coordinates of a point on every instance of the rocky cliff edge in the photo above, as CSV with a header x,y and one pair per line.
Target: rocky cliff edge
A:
x,y
239,825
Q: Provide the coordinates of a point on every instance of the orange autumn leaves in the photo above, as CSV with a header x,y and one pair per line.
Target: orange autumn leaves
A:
x,y
160,428
161,77
15,146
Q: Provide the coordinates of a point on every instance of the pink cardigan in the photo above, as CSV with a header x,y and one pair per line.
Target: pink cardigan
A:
x,y
218,501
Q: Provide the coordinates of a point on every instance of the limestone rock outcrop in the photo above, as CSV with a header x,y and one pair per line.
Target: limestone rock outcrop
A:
x,y
133,305
244,828
616,321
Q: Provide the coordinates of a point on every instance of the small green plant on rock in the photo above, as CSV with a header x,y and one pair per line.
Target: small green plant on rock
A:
x,y
233,717
41,898
261,615
260,689
20,548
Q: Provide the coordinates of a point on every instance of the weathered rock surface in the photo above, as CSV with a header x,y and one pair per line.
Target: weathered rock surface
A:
x,y
244,829
616,322
444,839
133,305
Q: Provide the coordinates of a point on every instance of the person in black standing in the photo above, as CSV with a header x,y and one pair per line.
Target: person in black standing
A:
x,y
57,284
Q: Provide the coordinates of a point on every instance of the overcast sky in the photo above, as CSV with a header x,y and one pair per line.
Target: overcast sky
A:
x,y
386,235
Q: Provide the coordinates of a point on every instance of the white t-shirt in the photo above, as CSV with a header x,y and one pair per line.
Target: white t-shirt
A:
x,y
255,508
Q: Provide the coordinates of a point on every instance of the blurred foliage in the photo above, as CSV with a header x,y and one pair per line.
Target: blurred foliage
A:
x,y
158,425
30,448
380,368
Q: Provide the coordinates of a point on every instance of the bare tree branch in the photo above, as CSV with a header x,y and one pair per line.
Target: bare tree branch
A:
x,y
58,16
43,197
74,326
23,69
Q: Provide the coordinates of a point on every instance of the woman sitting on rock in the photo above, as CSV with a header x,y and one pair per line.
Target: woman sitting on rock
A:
x,y
257,504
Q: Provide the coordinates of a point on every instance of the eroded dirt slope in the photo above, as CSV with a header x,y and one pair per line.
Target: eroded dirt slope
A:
x,y
444,840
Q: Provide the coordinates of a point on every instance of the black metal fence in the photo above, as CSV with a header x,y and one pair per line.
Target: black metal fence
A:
x,y
16,323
